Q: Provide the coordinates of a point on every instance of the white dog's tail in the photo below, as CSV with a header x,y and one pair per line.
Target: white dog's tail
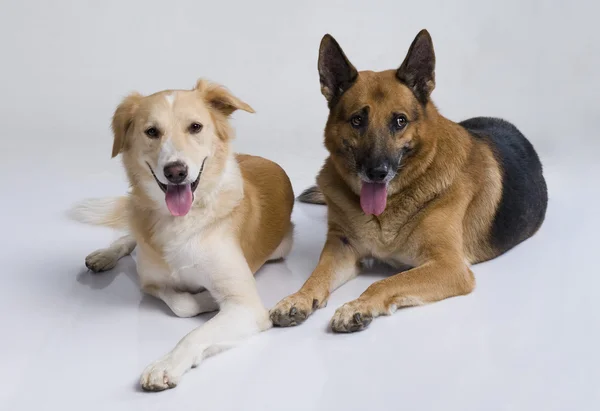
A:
x,y
108,212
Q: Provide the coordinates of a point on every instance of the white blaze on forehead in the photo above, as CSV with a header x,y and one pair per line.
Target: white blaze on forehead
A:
x,y
176,147
170,98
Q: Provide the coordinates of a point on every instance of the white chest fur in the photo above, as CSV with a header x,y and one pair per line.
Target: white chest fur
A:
x,y
192,246
193,257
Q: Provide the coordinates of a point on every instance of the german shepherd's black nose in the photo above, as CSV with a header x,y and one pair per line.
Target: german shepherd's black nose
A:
x,y
176,172
378,173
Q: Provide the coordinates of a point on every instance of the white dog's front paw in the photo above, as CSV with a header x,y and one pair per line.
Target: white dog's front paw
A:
x,y
101,260
161,375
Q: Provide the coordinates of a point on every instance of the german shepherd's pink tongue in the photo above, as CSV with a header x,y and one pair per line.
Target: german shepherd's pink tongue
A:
x,y
373,198
179,199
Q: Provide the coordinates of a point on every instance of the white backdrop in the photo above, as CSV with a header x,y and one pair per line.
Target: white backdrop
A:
x,y
65,66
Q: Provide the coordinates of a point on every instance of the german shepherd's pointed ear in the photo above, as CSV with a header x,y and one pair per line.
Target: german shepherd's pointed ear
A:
x,y
122,120
418,69
336,73
219,98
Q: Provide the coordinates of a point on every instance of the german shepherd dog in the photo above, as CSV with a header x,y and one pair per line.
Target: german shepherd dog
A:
x,y
404,185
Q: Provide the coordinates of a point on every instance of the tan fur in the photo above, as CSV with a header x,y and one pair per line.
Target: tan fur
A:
x,y
122,121
439,213
267,209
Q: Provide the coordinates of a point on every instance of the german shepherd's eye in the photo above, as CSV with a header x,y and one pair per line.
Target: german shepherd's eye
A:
x,y
356,121
400,122
152,132
195,128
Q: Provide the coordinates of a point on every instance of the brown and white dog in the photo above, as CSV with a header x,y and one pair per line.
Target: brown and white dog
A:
x,y
405,185
204,219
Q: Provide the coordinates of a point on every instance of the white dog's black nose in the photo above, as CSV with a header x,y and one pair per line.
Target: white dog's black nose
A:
x,y
176,172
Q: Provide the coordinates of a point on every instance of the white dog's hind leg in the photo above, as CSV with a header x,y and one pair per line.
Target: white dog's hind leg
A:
x,y
285,247
184,304
107,258
242,315
154,281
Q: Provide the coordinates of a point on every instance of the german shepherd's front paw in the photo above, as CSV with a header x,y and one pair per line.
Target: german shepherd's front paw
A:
x,y
353,316
294,310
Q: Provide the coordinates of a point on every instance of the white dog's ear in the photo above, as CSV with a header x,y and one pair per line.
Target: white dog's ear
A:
x,y
122,120
219,98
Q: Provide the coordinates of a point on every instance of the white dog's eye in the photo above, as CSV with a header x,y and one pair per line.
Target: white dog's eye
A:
x,y
152,132
195,128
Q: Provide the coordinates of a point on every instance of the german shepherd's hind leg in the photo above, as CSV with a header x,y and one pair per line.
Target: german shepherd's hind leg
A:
x,y
107,258
285,247
338,264
430,282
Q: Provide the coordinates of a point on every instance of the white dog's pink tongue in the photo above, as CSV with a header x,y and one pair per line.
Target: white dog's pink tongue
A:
x,y
373,198
179,199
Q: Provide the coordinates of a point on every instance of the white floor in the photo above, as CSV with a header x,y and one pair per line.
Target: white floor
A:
x,y
526,339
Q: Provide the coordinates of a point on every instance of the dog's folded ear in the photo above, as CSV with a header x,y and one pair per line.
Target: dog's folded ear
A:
x,y
221,99
336,73
122,120
418,69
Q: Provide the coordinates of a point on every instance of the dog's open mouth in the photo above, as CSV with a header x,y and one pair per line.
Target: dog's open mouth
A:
x,y
179,197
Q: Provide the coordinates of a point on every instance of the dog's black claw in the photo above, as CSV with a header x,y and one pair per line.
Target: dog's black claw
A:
x,y
357,322
92,268
287,314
